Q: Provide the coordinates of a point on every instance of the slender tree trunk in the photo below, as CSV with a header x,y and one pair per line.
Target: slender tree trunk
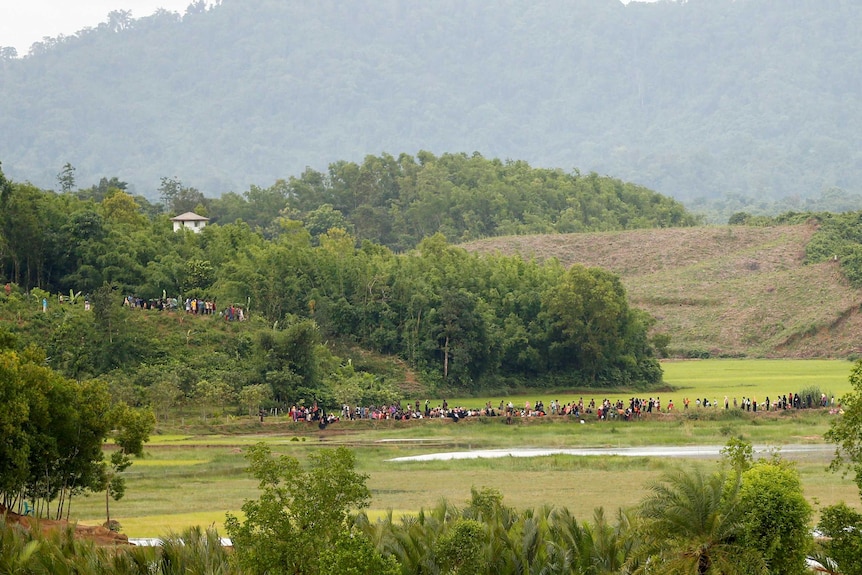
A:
x,y
60,501
446,359
703,564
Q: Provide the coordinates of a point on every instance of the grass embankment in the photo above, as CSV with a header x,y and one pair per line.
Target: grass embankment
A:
x,y
189,479
719,290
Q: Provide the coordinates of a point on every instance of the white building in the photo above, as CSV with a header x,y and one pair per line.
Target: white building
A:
x,y
191,221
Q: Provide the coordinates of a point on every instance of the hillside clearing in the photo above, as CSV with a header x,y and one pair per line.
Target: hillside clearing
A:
x,y
718,291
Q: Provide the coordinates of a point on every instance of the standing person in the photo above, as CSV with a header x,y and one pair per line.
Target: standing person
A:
x,y
726,403
44,305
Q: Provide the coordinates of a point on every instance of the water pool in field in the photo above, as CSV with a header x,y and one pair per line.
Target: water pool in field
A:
x,y
685,451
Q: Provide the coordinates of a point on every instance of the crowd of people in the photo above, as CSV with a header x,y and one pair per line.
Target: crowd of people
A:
x,y
193,306
581,410
788,401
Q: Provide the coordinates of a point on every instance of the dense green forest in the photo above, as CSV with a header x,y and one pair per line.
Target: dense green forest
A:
x,y
753,99
462,322
398,201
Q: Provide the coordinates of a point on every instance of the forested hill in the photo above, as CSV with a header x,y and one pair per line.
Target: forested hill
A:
x,y
753,97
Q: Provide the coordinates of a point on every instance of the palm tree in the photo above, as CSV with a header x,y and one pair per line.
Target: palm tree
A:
x,y
690,524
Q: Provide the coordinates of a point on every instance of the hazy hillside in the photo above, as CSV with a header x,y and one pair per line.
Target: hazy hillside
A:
x,y
720,290
708,97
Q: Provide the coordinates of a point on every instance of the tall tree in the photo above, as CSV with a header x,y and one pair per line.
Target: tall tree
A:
x,y
15,448
594,331
111,347
460,337
846,431
777,516
299,524
292,362
66,178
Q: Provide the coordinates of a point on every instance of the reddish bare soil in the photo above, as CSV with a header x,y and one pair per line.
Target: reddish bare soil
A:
x,y
99,535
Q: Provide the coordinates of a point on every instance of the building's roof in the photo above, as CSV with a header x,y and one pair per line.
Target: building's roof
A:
x,y
189,217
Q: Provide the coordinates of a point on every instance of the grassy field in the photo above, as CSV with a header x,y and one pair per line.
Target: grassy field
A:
x,y
193,479
756,377
712,379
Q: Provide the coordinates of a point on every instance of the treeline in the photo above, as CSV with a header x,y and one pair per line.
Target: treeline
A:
x,y
720,210
838,237
461,320
48,238
398,201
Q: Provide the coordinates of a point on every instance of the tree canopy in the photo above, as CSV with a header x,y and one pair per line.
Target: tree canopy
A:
x,y
462,321
53,431
300,523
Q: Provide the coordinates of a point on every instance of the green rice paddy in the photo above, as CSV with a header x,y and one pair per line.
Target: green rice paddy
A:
x,y
188,479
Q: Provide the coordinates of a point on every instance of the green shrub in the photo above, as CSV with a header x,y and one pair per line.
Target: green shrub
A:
x,y
812,391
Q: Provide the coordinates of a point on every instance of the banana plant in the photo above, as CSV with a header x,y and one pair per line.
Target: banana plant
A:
x,y
73,296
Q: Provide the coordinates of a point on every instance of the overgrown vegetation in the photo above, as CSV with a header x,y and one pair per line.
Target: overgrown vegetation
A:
x,y
53,430
461,322
747,517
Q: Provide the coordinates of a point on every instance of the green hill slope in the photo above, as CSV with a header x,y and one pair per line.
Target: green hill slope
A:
x,y
691,99
719,291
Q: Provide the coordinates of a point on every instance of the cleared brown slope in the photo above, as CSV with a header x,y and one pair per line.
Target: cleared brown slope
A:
x,y
719,290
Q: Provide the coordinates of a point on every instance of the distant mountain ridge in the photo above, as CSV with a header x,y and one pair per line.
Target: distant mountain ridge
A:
x,y
719,291
693,99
